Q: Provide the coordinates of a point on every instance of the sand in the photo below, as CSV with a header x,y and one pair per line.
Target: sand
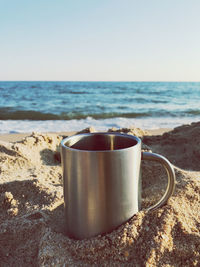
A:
x,y
31,207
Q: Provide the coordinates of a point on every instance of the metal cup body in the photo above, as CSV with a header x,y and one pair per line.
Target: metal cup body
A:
x,y
101,181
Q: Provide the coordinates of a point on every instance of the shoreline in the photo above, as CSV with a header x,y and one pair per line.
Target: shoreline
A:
x,y
50,126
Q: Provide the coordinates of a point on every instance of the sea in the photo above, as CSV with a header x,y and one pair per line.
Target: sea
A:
x,y
51,106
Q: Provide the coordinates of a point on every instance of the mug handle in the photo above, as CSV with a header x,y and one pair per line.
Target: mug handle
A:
x,y
170,173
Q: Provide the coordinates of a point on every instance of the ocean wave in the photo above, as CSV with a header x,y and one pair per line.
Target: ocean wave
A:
x,y
10,114
13,114
77,92
194,112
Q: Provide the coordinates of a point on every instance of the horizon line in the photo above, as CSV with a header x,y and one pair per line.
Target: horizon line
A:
x,y
97,81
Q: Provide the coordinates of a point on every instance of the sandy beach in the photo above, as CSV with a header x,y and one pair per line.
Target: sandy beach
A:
x,y
31,206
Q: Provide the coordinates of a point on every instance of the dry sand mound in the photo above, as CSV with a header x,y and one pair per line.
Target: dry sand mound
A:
x,y
31,208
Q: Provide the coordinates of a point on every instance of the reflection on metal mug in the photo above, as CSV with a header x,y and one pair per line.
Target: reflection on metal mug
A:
x,y
101,181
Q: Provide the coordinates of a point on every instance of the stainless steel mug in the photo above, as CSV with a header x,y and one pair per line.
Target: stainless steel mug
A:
x,y
101,181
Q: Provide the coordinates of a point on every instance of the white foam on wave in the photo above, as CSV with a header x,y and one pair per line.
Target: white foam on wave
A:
x,y
27,126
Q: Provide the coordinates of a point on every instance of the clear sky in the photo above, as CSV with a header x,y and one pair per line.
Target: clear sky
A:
x,y
100,40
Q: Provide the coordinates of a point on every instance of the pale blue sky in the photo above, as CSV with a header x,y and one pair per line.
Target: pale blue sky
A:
x,y
100,40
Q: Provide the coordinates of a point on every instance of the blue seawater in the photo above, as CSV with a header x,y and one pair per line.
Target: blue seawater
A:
x,y
67,106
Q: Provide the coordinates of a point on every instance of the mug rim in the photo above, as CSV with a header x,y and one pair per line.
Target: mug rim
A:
x,y
135,138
